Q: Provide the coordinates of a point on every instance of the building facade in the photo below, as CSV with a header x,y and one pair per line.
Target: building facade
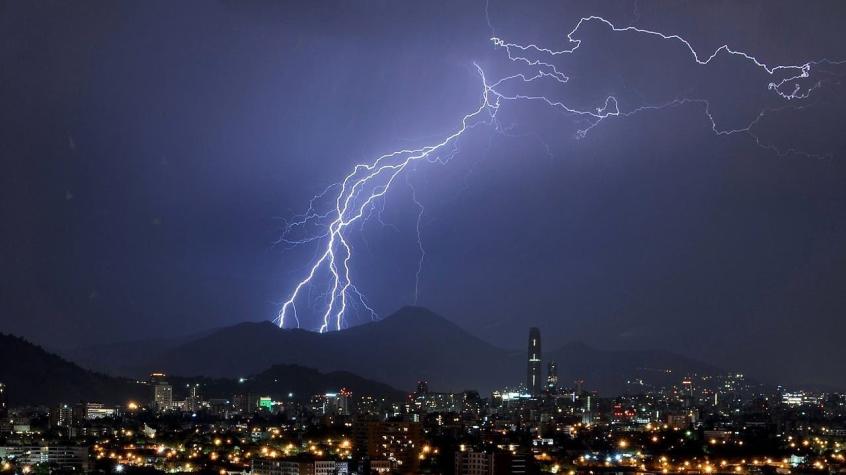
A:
x,y
552,377
61,456
474,463
534,378
4,410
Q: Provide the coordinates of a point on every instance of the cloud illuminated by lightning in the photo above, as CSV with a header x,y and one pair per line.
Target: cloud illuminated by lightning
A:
x,y
361,191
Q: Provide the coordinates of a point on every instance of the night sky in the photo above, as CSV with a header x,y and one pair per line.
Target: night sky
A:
x,y
152,152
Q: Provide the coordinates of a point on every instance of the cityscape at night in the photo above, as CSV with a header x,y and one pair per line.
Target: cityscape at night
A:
x,y
486,237
698,423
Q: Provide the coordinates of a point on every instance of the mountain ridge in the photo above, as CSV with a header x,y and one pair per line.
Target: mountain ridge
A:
x,y
34,376
413,343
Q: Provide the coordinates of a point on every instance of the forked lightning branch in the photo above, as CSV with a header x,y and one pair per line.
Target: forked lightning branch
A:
x,y
367,184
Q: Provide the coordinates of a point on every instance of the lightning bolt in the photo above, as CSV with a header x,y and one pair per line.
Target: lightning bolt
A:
x,y
355,197
357,192
418,227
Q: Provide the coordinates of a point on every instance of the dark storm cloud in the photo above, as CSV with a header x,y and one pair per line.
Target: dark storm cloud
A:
x,y
149,152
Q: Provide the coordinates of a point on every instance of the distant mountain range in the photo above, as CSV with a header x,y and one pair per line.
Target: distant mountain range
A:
x,y
411,344
34,376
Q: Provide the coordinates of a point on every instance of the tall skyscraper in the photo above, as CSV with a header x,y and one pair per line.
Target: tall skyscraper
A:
x,y
552,377
534,378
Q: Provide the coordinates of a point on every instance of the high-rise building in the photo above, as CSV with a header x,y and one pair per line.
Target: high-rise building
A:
x,y
344,397
61,416
162,392
552,377
245,403
163,397
395,441
89,411
468,462
534,383
194,400
330,406
422,388
3,409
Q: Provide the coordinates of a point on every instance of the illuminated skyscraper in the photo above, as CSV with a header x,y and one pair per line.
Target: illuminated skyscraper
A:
x,y
552,377
162,392
534,379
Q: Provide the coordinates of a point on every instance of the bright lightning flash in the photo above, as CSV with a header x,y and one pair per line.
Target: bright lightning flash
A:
x,y
356,196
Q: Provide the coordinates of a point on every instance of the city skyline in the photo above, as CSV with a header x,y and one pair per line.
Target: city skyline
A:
x,y
485,367
705,423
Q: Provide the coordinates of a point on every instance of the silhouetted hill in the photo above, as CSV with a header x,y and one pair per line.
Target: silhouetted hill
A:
x,y
34,376
413,343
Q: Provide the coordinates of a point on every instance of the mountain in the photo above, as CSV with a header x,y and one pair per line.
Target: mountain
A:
x,y
34,377
412,344
124,357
